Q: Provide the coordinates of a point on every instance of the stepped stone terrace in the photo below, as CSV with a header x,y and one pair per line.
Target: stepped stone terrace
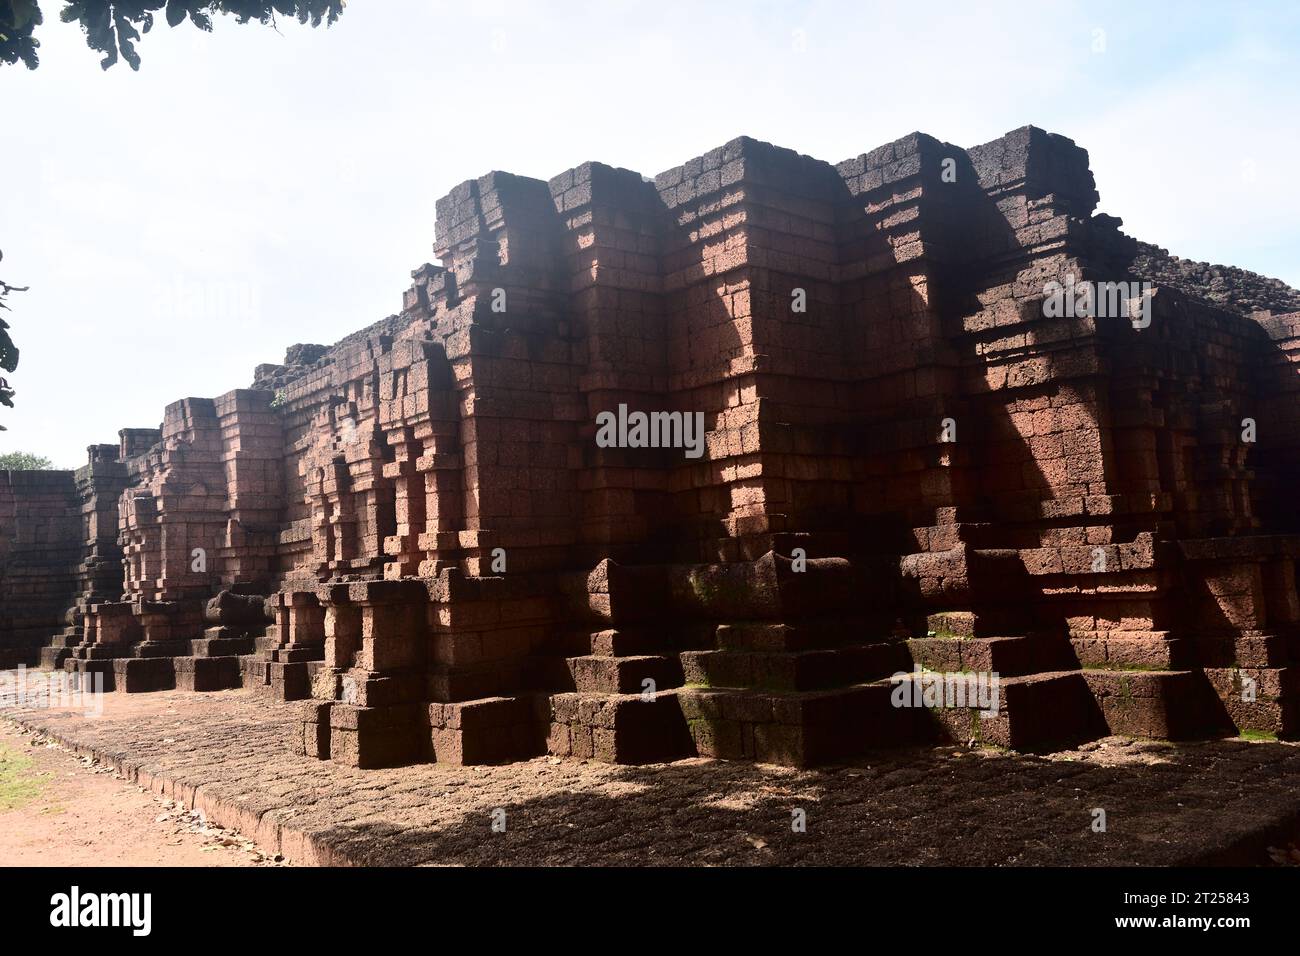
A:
x,y
911,463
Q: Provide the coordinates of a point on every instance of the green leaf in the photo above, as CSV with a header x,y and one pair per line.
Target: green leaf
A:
x,y
8,353
112,27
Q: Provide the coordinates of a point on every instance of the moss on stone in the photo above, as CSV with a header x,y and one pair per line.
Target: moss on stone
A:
x,y
1251,734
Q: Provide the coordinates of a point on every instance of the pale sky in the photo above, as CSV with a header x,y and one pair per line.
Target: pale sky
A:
x,y
249,189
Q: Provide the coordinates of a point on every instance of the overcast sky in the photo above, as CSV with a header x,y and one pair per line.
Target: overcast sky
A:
x,y
250,189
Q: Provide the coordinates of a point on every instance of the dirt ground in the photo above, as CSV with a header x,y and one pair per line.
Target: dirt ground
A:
x,y
1227,801
60,810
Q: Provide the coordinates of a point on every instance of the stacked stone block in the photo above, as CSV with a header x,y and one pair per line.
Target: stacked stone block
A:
x,y
99,483
911,466
40,547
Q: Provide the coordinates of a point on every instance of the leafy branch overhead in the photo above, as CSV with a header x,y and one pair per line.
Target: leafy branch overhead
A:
x,y
114,26
8,351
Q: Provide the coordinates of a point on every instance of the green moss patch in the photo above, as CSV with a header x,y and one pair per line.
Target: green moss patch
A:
x,y
19,782
1247,734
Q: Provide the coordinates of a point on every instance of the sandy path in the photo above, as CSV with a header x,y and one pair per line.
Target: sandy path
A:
x,y
57,809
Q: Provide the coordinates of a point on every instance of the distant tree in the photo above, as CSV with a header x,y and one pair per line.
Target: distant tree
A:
x,y
23,461
114,26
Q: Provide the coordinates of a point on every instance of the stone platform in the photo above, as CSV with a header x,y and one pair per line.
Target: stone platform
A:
x,y
1167,804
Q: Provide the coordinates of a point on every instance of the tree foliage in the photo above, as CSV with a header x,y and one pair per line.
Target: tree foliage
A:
x,y
24,461
8,351
113,27
18,21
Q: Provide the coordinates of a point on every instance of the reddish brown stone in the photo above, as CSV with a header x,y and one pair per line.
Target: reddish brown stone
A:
x,y
907,460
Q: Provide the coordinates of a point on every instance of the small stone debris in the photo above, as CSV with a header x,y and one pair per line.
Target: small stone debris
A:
x,y
1285,856
183,819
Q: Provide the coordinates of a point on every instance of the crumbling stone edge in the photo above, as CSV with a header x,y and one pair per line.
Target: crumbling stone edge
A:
x,y
296,846
1247,847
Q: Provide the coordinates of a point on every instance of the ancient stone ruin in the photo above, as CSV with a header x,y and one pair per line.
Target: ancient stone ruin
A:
x,y
912,463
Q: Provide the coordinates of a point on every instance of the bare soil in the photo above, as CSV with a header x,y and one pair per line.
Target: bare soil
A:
x,y
60,810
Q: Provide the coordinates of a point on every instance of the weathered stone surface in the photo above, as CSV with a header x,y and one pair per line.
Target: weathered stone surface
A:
x,y
231,608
